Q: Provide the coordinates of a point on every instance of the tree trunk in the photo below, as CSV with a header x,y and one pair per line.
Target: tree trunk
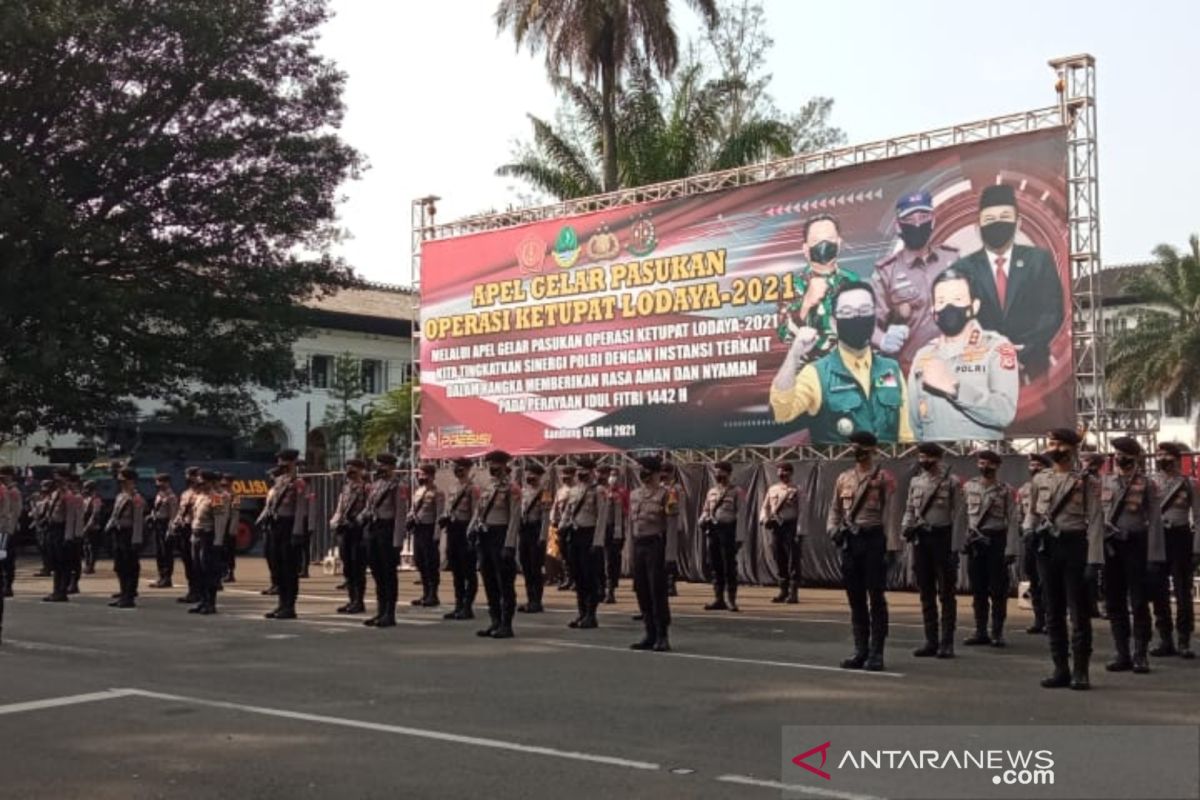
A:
x,y
608,101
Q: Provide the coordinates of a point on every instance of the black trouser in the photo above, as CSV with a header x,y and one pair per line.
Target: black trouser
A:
x,y
183,544
381,556
532,551
1178,572
499,574
1126,587
988,573
650,585
91,550
164,550
610,564
60,558
46,548
1062,564
864,573
585,567
126,563
8,567
722,556
304,553
788,550
461,556
287,556
935,566
1037,599
75,560
354,562
271,553
564,555
206,562
426,558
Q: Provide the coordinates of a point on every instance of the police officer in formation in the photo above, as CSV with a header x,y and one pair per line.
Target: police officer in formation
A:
x,y
92,506
1180,504
460,510
567,473
210,524
125,526
284,515
654,529
1037,463
10,515
719,523
933,526
994,515
346,523
780,516
56,516
860,524
181,534
229,556
1066,524
75,532
383,531
584,519
162,513
536,506
495,530
1133,545
614,499
428,503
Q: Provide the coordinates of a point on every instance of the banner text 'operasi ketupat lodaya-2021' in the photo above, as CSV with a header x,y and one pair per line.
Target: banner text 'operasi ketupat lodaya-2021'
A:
x,y
925,297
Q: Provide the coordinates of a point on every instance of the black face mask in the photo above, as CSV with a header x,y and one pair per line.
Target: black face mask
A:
x,y
952,319
1164,463
915,237
722,478
823,252
495,472
928,466
645,475
862,454
988,471
1126,462
855,332
997,234
532,481
1060,456
785,477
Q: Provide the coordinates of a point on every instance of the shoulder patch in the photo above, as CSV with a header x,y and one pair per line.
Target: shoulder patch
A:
x,y
1008,356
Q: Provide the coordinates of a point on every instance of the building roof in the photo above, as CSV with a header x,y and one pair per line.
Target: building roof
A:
x,y
377,308
1111,284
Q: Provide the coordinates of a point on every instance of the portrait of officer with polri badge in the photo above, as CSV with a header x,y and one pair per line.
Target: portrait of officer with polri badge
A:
x,y
963,384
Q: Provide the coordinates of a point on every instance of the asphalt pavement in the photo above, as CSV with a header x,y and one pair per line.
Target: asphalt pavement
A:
x,y
104,703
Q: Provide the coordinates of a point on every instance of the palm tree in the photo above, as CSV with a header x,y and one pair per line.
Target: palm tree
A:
x,y
1160,356
600,38
666,131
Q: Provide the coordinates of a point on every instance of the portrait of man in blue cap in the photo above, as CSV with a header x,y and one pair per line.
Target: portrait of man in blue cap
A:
x,y
1019,290
903,282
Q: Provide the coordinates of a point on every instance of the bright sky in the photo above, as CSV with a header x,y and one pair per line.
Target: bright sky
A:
x,y
435,98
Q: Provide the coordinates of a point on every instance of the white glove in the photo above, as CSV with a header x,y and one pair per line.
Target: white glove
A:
x,y
893,339
803,340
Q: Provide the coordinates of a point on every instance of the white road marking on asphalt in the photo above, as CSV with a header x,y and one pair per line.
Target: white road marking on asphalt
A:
x,y
321,598
327,621
401,730
69,700
812,791
21,644
728,659
736,616
282,636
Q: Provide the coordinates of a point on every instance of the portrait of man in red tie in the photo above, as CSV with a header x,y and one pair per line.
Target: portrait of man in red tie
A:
x,y
1018,286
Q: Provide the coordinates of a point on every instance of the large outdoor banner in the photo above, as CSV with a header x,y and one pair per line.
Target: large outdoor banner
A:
x,y
925,297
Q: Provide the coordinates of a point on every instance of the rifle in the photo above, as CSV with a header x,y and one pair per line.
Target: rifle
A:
x,y
1111,529
773,522
707,523
410,524
1046,527
975,537
843,532
571,527
445,519
913,534
480,526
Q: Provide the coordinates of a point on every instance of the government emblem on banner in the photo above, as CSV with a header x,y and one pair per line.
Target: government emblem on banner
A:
x,y
531,254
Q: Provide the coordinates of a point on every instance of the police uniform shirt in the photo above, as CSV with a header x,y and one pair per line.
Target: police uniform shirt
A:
x,y
234,507
73,502
873,511
561,497
614,514
386,503
350,503
461,504
1080,512
56,507
1139,510
502,503
722,504
585,510
944,510
166,506
655,512
210,515
781,503
995,510
984,365
187,500
127,515
903,285
10,509
536,508
1180,503
427,505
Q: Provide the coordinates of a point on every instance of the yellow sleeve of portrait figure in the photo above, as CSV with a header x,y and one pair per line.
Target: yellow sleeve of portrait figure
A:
x,y
803,398
906,434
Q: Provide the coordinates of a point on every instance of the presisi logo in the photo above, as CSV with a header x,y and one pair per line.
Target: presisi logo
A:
x,y
800,760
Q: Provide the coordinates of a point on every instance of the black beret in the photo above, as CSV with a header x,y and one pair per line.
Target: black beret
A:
x,y
464,463
128,474
1065,435
567,469
357,463
535,469
387,459
191,471
1093,459
62,472
931,449
604,468
650,463
1127,445
162,477
585,463
497,457
997,195
8,470
210,475
723,466
1040,458
429,469
991,456
287,456
785,467
89,484
1174,448
863,438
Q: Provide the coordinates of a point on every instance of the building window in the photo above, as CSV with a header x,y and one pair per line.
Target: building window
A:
x,y
372,376
320,368
1177,405
1108,327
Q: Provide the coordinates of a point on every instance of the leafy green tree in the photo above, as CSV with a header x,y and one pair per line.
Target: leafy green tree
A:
x,y
600,38
344,421
168,183
1160,355
389,422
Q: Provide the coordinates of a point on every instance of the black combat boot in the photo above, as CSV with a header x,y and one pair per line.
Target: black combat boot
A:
x,y
733,606
718,604
647,642
493,627
662,644
1141,661
981,636
783,593
1121,662
611,597
875,655
1166,647
930,648
793,596
998,633
466,612
455,613
1061,677
505,631
859,658
1079,671
1185,646
946,647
